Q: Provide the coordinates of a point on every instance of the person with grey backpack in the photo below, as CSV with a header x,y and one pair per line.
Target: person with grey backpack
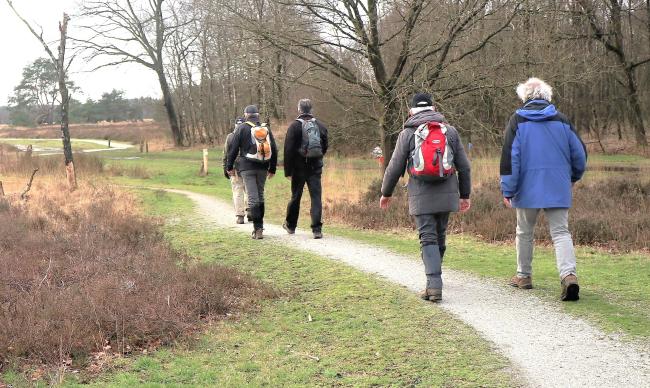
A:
x,y
304,148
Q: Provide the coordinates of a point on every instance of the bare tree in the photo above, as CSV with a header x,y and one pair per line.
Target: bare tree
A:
x,y
610,33
384,49
61,67
133,31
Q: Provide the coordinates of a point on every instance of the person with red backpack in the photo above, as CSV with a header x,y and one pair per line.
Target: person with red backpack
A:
x,y
432,153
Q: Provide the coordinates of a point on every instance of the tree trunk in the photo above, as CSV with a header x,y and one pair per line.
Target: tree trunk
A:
x,y
636,114
65,106
390,124
172,116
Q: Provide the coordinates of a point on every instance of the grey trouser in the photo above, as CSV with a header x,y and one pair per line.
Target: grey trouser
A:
x,y
254,180
432,229
238,194
558,222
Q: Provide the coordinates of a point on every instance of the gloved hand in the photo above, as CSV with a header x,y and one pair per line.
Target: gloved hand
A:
x,y
225,173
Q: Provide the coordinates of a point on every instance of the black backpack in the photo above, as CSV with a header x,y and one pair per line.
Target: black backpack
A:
x,y
311,143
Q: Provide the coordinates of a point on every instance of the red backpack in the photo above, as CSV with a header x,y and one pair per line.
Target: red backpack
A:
x,y
432,158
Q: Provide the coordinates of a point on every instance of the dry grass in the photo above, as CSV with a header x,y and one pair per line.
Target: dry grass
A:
x,y
158,135
613,213
85,271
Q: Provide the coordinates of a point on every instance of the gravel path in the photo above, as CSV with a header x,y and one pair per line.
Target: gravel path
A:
x,y
115,146
547,346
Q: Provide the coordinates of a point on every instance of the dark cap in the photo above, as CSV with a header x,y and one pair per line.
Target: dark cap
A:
x,y
251,109
421,100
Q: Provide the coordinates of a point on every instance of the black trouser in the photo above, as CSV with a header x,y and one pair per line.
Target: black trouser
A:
x,y
254,180
433,232
313,180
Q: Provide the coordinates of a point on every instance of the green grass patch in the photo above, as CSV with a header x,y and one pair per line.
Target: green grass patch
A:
x,y
333,326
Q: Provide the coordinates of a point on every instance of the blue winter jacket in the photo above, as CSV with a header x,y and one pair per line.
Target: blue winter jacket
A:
x,y
541,158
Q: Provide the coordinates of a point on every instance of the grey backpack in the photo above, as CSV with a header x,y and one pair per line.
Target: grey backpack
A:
x,y
311,146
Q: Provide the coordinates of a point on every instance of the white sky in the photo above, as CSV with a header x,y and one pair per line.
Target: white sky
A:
x,y
20,48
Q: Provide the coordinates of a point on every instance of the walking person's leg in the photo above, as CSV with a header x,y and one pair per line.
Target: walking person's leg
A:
x,y
525,243
442,220
316,195
426,224
254,208
261,182
558,222
293,208
238,197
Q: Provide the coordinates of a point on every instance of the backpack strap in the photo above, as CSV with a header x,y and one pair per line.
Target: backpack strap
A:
x,y
252,124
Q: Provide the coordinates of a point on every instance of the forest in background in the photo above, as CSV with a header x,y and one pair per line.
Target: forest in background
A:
x,y
361,61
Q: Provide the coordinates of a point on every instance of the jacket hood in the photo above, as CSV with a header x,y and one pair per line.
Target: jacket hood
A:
x,y
424,117
537,110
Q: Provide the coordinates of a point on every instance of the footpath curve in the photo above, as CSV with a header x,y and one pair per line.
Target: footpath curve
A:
x,y
547,346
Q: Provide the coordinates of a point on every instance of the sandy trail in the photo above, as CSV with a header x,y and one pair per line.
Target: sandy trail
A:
x,y
115,146
547,346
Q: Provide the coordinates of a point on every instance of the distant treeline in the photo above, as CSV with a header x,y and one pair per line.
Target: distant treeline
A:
x,y
112,107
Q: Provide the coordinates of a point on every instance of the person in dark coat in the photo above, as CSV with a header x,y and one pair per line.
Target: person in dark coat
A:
x,y
303,168
254,172
236,182
542,158
430,203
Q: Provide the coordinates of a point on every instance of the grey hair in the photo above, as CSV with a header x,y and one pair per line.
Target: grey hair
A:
x,y
535,89
304,105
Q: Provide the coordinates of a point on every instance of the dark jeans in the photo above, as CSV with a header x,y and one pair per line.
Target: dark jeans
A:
x,y
313,180
433,232
254,181
432,229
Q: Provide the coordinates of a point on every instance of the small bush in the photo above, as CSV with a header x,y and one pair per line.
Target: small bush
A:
x,y
614,212
85,270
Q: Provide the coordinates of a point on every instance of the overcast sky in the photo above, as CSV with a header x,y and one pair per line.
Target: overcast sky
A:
x,y
19,48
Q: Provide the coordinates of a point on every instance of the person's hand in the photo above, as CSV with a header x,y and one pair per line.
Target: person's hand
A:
x,y
465,204
270,175
225,173
507,202
231,172
384,202
288,177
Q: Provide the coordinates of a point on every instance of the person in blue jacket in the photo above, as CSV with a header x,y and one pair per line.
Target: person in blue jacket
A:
x,y
542,158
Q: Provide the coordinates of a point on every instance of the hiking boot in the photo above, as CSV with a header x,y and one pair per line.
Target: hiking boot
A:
x,y
288,229
257,234
570,288
240,219
318,234
525,283
432,294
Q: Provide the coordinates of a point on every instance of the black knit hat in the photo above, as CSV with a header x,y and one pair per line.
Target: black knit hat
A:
x,y
421,100
251,109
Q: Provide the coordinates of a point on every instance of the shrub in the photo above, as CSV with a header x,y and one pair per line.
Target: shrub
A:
x,y
85,270
614,213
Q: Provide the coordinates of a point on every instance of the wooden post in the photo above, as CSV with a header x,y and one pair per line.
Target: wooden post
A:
x,y
2,190
146,146
109,143
204,163
141,146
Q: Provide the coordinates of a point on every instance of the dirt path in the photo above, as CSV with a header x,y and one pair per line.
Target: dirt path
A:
x,y
547,346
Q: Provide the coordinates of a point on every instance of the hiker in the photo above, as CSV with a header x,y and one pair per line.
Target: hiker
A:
x,y
236,182
254,144
542,158
304,148
439,182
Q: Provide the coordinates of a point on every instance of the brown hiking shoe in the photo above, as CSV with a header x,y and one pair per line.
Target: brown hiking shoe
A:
x,y
257,234
524,283
570,288
240,219
432,294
